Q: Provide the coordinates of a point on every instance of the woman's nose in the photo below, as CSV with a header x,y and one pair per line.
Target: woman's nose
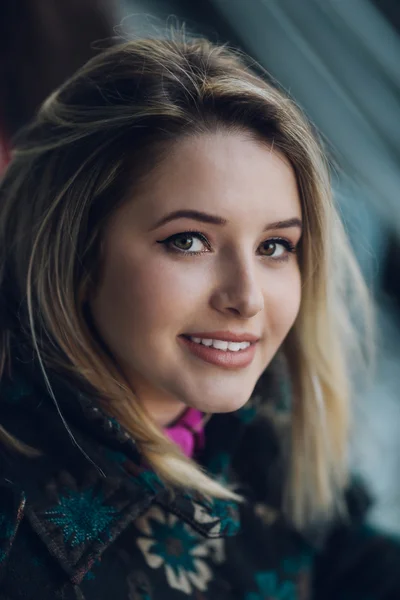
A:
x,y
240,291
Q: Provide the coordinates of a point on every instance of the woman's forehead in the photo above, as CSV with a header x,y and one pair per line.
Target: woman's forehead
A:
x,y
226,175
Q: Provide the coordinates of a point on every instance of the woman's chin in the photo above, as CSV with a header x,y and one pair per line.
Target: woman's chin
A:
x,y
219,406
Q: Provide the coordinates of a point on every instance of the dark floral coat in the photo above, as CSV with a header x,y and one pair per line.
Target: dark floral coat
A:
x,y
86,520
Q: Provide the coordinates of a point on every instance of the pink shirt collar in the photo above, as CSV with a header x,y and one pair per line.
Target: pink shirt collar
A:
x,y
188,432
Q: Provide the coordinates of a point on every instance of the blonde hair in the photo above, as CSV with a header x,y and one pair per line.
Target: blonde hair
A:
x,y
93,140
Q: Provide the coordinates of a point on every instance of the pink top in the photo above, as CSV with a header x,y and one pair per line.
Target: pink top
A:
x,y
188,432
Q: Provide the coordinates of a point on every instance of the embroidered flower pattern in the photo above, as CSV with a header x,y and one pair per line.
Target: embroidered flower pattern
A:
x,y
299,567
221,516
270,588
170,543
228,513
82,516
180,555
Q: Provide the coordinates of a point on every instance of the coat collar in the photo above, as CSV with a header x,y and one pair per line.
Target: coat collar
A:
x,y
80,508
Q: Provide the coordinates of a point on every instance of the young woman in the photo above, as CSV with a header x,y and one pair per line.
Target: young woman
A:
x,y
175,338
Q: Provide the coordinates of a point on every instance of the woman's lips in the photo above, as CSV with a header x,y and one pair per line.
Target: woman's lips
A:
x,y
221,358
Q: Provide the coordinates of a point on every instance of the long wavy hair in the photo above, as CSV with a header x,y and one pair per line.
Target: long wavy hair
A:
x,y
91,143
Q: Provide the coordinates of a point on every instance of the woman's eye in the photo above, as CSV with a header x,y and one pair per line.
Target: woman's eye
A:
x,y
194,242
277,249
187,242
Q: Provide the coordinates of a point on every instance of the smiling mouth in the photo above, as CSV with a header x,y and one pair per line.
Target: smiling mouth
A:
x,y
228,355
224,345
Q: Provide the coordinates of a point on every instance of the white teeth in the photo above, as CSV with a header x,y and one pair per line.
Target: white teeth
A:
x,y
221,345
234,346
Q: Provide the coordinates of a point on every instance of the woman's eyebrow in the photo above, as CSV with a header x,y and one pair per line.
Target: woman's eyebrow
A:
x,y
295,222
195,215
203,217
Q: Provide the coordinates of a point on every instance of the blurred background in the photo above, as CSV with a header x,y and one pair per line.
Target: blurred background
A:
x,y
340,60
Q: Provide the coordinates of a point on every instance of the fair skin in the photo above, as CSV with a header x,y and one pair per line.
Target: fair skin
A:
x,y
244,280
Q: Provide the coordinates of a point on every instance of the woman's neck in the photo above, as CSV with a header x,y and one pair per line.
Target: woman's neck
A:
x,y
164,411
162,408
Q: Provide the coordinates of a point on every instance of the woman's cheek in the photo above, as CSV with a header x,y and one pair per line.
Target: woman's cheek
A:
x,y
164,290
283,300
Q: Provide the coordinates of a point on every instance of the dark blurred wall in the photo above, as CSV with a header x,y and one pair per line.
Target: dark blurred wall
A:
x,y
41,44
200,17
391,10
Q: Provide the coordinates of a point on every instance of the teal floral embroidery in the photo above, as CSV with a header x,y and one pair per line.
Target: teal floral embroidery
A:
x,y
228,515
114,423
271,589
220,516
111,424
144,478
82,516
299,568
143,596
90,576
168,542
196,497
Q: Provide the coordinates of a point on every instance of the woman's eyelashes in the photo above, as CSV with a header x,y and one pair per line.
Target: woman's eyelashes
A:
x,y
184,243
195,243
278,249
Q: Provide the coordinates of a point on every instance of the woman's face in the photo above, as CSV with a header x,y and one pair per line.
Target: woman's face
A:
x,y
229,272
